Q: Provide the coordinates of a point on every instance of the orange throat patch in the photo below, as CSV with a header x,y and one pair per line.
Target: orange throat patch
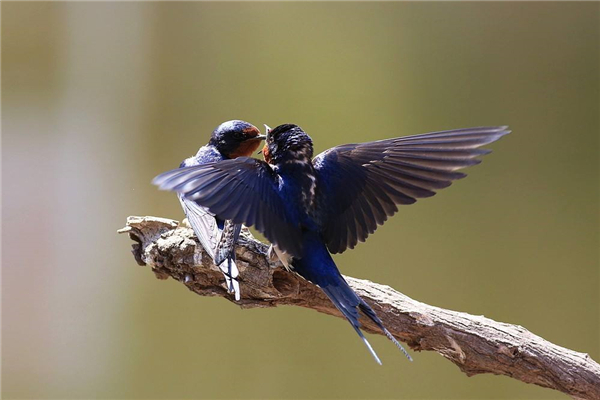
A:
x,y
266,154
246,148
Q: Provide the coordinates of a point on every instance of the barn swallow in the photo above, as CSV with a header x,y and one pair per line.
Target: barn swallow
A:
x,y
218,236
309,208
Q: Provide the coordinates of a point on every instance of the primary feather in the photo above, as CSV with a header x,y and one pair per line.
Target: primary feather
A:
x,y
362,184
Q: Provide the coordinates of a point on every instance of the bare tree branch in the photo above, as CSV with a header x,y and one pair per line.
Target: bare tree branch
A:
x,y
474,343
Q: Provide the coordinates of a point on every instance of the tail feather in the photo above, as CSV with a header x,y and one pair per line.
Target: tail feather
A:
x,y
368,311
226,245
318,267
345,300
366,342
350,312
231,272
225,256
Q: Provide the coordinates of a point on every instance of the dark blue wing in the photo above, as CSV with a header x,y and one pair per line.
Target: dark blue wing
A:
x,y
361,184
244,190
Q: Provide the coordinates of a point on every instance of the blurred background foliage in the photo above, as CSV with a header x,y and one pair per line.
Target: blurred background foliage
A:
x,y
100,97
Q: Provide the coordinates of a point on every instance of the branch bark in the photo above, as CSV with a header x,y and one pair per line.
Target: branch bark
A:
x,y
474,343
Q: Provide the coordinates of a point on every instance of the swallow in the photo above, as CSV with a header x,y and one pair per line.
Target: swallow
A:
x,y
311,207
218,236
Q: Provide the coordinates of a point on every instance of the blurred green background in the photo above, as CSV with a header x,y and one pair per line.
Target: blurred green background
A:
x,y
98,98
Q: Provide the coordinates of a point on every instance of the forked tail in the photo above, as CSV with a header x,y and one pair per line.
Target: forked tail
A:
x,y
368,311
225,256
347,301
230,272
318,267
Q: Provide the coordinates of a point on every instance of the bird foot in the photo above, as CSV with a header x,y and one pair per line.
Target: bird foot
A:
x,y
272,255
276,256
185,223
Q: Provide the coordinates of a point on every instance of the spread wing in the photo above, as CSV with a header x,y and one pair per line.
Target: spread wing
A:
x,y
244,190
361,184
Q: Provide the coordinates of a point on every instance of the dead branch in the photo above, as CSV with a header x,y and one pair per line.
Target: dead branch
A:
x,y
474,343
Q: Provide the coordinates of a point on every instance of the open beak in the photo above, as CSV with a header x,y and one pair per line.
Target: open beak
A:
x,y
268,131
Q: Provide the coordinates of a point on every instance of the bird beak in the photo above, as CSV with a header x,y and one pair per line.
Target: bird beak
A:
x,y
261,137
268,131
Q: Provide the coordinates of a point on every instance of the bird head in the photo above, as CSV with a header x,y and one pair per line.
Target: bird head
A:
x,y
286,143
236,138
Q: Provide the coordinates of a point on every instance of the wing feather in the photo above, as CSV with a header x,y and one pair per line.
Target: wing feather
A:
x,y
362,184
203,224
219,187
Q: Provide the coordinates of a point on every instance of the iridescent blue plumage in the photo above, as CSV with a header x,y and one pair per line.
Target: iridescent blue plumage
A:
x,y
308,208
